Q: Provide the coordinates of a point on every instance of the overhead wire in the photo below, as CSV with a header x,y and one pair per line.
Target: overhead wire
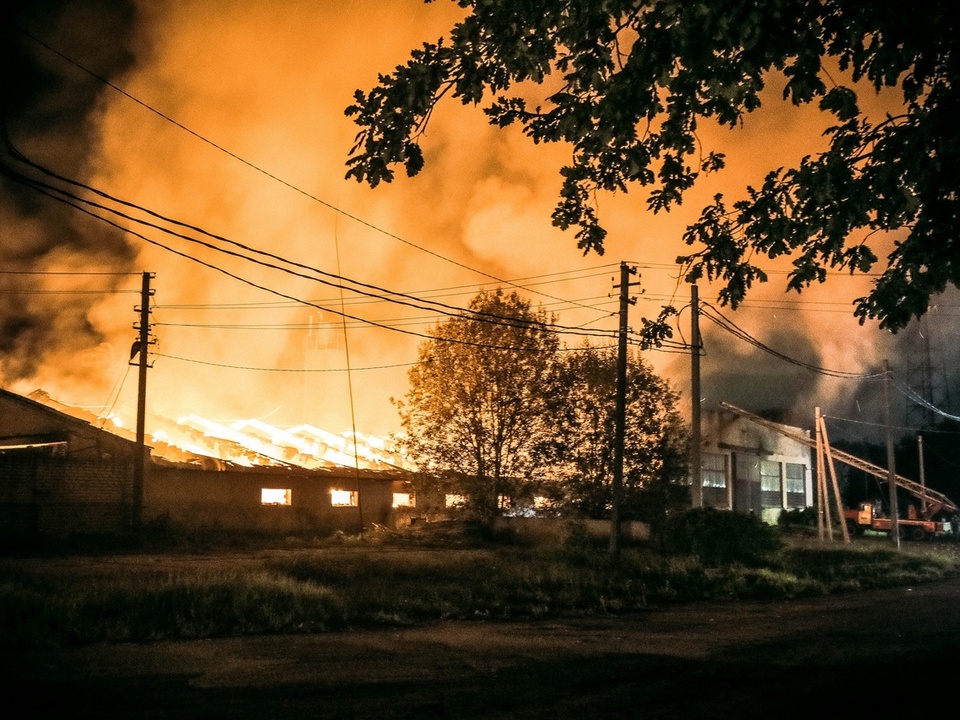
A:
x,y
115,393
892,427
78,203
362,288
913,395
426,320
712,314
72,199
280,370
247,307
264,288
290,297
266,173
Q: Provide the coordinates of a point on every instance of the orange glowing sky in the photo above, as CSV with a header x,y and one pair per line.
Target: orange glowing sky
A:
x,y
267,82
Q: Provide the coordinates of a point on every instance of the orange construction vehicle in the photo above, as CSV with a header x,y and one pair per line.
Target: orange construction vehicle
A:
x,y
917,525
869,517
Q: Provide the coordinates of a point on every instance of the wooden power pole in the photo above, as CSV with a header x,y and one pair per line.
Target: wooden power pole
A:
x,y
696,474
620,416
891,460
141,346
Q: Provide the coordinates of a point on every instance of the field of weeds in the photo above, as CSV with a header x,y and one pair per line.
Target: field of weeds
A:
x,y
298,586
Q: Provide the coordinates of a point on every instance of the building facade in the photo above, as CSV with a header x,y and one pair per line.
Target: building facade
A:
x,y
62,477
750,468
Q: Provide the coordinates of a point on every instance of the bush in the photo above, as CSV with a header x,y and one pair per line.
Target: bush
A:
x,y
722,538
806,517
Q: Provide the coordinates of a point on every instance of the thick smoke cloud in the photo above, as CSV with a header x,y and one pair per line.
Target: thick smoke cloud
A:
x,y
48,111
237,127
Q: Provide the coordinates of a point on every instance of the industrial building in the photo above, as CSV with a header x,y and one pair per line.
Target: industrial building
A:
x,y
63,476
753,469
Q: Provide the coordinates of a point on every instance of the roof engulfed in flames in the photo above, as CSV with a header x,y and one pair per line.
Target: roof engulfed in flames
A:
x,y
196,439
253,442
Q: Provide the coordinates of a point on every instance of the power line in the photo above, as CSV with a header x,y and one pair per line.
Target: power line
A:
x,y
60,196
306,325
729,326
370,290
279,370
920,400
894,427
247,307
268,174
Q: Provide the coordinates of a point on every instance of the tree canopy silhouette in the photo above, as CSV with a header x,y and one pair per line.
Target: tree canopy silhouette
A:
x,y
631,80
475,409
579,448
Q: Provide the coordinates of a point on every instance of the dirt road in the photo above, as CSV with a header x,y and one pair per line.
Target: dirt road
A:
x,y
849,656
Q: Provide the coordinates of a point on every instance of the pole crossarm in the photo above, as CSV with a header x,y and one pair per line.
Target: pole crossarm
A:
x,y
915,488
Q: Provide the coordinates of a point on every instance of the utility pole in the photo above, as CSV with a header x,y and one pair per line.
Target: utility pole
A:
x,y
696,474
891,460
923,477
141,347
621,408
828,452
822,521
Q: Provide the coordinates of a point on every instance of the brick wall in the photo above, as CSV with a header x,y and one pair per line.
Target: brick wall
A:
x,y
62,497
231,500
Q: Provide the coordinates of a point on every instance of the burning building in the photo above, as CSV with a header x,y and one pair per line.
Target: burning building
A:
x,y
63,474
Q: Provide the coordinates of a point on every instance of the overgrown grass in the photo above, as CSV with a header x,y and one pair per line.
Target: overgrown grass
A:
x,y
870,564
355,583
196,605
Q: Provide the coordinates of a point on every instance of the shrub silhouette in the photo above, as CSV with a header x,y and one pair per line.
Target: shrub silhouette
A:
x,y
720,537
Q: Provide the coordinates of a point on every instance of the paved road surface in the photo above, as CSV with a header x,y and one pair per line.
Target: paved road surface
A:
x,y
851,656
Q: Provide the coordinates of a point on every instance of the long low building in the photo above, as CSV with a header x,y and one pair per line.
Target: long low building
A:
x,y
270,500
62,476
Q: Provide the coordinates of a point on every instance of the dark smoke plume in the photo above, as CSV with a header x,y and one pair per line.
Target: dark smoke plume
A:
x,y
47,109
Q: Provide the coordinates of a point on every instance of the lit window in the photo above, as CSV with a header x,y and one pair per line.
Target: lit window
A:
x,y
274,496
404,500
714,471
452,500
769,476
343,498
796,477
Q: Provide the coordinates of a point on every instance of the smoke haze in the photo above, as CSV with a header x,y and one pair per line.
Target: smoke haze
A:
x,y
251,146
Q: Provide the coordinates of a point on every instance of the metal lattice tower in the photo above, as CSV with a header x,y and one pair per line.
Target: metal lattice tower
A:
x,y
926,374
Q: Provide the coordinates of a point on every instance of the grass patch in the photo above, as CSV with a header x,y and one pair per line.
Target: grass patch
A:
x,y
194,605
867,564
349,583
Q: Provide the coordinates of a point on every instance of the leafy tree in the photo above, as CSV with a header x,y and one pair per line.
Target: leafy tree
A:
x,y
634,80
580,448
475,408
